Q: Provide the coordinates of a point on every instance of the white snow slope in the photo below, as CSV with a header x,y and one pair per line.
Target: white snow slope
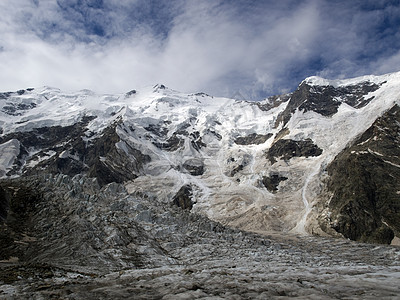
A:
x,y
234,198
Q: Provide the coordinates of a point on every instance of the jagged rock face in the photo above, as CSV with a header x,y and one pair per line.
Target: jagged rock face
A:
x,y
64,150
271,182
173,143
253,139
273,102
287,149
326,100
365,182
183,198
194,166
13,106
111,164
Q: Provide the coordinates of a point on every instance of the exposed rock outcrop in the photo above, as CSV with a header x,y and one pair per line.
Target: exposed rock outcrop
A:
x,y
173,143
64,150
325,100
194,166
286,149
183,197
272,182
364,184
253,139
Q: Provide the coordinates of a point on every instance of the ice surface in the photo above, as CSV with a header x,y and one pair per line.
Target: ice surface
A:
x,y
8,153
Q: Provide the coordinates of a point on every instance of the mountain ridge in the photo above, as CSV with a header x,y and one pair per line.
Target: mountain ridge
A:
x,y
223,149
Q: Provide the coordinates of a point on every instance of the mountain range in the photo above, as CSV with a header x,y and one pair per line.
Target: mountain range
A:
x,y
124,181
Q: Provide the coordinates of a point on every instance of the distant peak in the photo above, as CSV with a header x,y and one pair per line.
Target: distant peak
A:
x,y
130,93
158,87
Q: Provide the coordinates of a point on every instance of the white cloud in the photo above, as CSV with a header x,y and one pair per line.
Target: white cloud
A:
x,y
387,64
208,46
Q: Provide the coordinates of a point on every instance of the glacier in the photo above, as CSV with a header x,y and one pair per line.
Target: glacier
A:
x,y
256,176
234,198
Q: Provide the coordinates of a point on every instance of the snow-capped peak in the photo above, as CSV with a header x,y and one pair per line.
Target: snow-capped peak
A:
x,y
377,79
316,80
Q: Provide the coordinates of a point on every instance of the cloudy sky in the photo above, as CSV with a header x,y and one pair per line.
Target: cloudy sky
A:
x,y
224,48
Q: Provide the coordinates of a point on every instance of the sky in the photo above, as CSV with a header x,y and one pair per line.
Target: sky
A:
x,y
247,49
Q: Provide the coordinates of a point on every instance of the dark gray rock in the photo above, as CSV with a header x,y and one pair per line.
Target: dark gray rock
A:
x,y
5,95
238,164
17,109
3,204
253,139
196,141
18,206
183,197
364,182
173,143
130,93
272,102
99,158
194,166
201,94
50,138
214,133
287,149
325,100
109,164
157,129
271,182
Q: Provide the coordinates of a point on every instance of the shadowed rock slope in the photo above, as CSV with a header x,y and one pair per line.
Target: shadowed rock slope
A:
x,y
364,184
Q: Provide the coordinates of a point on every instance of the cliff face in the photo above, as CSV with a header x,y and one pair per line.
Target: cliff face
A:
x,y
364,184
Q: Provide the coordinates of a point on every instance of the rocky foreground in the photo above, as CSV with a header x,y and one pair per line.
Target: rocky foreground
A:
x,y
68,238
